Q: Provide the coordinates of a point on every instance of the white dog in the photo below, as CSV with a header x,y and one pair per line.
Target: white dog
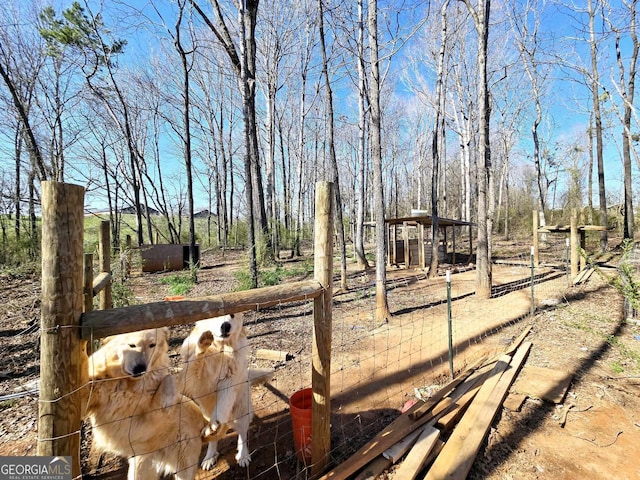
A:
x,y
216,375
136,411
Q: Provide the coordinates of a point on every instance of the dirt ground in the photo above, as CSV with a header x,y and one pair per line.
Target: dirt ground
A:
x,y
594,433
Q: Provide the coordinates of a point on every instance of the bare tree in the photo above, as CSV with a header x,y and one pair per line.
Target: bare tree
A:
x,y
597,117
382,304
332,150
527,40
21,61
438,141
279,25
626,89
303,111
81,29
480,17
362,123
244,64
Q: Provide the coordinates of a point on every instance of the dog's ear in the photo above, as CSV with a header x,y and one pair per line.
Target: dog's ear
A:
x,y
162,336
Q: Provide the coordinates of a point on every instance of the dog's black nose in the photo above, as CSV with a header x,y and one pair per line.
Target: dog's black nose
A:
x,y
139,369
225,329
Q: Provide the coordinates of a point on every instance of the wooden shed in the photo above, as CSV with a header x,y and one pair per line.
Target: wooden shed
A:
x,y
161,257
409,240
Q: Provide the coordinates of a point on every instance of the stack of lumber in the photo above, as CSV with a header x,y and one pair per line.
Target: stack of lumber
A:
x,y
439,438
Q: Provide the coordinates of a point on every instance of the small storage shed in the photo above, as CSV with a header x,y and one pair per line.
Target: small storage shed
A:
x,y
156,258
409,240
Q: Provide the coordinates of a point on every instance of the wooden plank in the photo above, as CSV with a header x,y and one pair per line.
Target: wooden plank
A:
x,y
88,282
418,454
458,454
518,341
104,262
514,401
580,277
375,468
422,408
393,433
397,451
411,420
102,323
545,383
434,453
407,423
448,421
100,282
275,355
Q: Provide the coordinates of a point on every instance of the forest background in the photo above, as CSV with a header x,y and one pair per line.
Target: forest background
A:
x,y
232,110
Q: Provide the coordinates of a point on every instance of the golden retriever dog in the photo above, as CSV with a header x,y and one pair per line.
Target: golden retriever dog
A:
x,y
215,375
136,411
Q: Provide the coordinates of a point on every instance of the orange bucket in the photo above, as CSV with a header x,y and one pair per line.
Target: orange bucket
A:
x,y
300,410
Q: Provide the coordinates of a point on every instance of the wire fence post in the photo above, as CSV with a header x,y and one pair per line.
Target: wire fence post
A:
x,y
449,323
533,304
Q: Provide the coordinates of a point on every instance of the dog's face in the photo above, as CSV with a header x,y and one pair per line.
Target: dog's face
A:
x,y
225,329
137,353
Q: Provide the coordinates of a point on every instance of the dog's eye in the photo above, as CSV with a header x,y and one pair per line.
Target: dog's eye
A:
x,y
153,345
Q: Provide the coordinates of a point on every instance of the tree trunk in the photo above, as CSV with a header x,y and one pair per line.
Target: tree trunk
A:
x,y
483,261
332,154
598,123
187,141
437,141
382,304
250,162
362,122
627,140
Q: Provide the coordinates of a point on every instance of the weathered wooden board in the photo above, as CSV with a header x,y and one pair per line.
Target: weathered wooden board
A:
x,y
514,401
544,383
418,454
459,452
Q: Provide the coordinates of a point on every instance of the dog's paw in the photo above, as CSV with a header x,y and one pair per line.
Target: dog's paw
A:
x,y
209,431
243,458
205,340
213,431
209,462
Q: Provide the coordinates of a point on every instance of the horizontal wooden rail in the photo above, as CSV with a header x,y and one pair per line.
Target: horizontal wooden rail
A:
x,y
100,282
102,323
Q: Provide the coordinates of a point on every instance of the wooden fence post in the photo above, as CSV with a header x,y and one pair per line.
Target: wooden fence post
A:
x,y
88,282
536,238
322,329
575,244
104,255
61,350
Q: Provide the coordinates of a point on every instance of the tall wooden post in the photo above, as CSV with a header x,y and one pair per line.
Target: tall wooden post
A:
x,y
575,244
88,282
322,329
421,255
583,248
453,235
104,252
536,244
405,240
61,350
392,245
